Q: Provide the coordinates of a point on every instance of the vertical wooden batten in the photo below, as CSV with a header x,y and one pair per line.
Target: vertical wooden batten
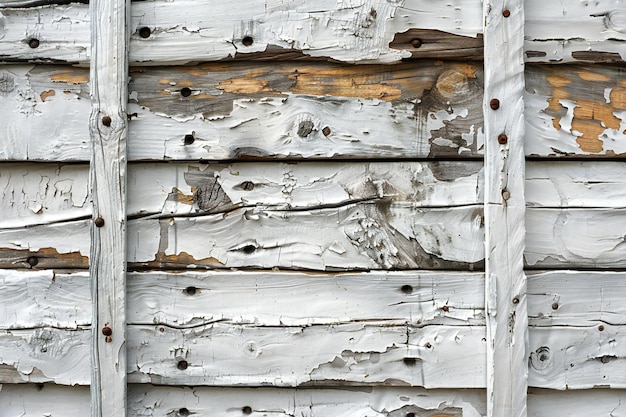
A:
x,y
507,328
108,130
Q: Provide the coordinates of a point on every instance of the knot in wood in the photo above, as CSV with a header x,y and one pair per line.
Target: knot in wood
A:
x,y
7,82
183,412
452,83
247,186
246,410
305,128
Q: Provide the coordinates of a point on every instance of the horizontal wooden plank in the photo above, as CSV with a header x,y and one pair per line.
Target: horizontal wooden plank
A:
x,y
179,32
566,183
369,354
596,402
365,32
44,112
576,298
31,299
45,355
382,235
286,110
575,238
577,357
575,110
252,111
320,402
297,299
575,31
27,400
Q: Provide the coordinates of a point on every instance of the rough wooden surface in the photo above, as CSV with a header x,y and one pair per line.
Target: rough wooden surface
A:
x,y
357,236
576,298
44,400
108,128
372,402
575,238
297,111
575,110
296,299
505,282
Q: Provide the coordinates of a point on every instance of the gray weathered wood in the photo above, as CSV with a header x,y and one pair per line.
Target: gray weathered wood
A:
x,y
575,110
319,402
576,298
297,111
108,128
505,287
575,238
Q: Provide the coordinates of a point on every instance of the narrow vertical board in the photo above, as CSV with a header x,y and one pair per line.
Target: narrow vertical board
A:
x,y
504,209
108,127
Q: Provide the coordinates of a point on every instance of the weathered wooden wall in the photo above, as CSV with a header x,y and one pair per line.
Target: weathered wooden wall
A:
x,y
306,236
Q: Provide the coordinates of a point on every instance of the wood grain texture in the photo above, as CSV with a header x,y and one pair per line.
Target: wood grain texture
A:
x,y
187,300
45,355
321,402
595,402
575,110
34,299
575,184
357,236
576,298
108,128
356,353
575,238
296,111
572,31
505,286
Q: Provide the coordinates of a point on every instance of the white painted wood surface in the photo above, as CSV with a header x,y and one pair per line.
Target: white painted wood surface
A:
x,y
108,128
187,300
505,287
321,402
44,400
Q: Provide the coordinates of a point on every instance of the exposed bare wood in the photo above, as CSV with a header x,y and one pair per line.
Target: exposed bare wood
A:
x,y
321,402
575,184
297,299
437,44
575,110
578,238
576,298
380,235
299,111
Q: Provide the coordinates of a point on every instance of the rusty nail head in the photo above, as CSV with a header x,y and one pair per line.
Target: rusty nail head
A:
x,y
326,131
33,43
555,306
601,328
183,412
445,308
182,365
106,120
99,222
32,260
506,195
106,330
502,139
144,32
247,185
246,410
189,139
416,43
494,104
506,13
247,41
515,300
185,91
